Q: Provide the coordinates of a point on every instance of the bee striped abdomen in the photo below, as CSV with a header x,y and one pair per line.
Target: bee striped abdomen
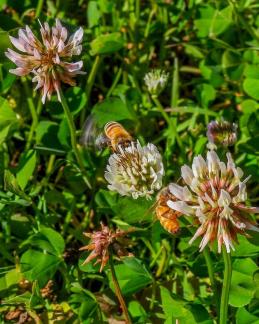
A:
x,y
117,134
167,217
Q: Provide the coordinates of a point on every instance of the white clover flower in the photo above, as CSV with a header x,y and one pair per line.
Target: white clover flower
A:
x,y
135,171
47,59
215,194
156,81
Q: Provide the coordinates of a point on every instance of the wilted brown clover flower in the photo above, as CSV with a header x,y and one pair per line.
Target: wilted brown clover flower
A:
x,y
100,243
215,194
222,133
47,59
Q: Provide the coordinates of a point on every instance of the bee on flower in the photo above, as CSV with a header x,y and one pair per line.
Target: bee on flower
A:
x,y
132,170
216,195
156,81
49,59
135,170
167,217
112,136
100,243
221,133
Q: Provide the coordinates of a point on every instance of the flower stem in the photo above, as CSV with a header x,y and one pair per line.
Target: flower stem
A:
x,y
161,109
89,85
225,287
209,264
118,290
72,129
33,112
39,8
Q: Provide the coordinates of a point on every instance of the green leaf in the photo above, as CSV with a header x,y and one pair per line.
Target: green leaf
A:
x,y
111,109
132,276
84,305
4,44
193,51
10,279
137,312
8,119
26,168
249,106
213,22
245,248
250,146
12,185
41,266
242,284
48,240
47,134
134,211
106,44
7,115
206,94
251,87
244,317
174,308
93,14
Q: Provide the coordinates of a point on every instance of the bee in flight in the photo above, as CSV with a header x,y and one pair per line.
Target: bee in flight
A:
x,y
113,135
167,217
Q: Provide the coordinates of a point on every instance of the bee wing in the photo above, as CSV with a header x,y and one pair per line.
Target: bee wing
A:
x,y
89,132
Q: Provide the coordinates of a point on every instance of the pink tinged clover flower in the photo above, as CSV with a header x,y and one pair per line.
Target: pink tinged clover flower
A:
x,y
215,194
47,59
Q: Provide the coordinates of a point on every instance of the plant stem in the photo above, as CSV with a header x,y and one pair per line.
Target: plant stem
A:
x,y
209,264
72,129
39,8
118,290
33,112
161,109
225,287
89,85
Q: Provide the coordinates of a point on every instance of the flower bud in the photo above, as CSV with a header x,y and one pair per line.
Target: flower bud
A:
x,y
156,81
222,133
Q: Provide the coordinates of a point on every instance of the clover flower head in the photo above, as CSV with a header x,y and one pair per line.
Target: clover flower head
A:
x,y
135,170
47,59
216,195
222,133
156,81
100,243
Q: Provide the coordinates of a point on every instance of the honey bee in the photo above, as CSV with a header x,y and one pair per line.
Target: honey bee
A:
x,y
167,217
113,135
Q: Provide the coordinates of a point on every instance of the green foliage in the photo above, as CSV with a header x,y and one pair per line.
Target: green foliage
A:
x,y
210,51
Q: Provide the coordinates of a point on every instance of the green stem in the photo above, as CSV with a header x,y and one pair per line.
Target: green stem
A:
x,y
118,290
72,129
226,287
161,109
175,84
116,80
89,85
33,113
39,8
209,264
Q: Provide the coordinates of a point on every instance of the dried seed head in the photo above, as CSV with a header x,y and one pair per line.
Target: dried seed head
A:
x,y
222,133
215,194
47,59
135,170
156,81
100,243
